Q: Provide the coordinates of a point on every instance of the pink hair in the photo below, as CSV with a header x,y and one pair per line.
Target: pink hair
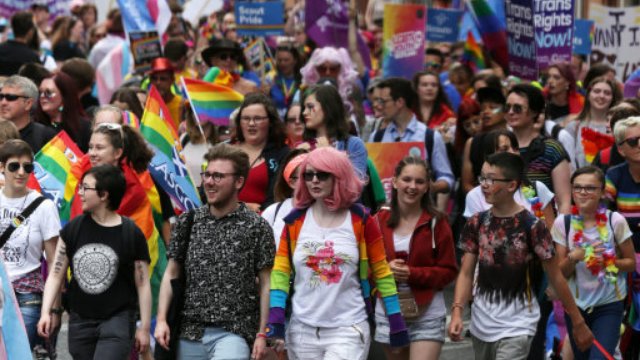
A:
x,y
347,186
348,75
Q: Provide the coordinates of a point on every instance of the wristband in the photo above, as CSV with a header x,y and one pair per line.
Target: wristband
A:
x,y
57,311
457,305
261,335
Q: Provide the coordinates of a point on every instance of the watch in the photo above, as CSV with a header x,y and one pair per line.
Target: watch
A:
x,y
57,311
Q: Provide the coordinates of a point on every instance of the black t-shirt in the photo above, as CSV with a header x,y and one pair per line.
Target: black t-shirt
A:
x,y
556,112
37,135
102,267
14,54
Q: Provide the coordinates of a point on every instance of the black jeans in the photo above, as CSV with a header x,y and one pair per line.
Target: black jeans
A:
x,y
93,339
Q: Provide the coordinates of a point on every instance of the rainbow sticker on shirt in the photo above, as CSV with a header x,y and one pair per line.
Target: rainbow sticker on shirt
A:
x,y
594,141
324,263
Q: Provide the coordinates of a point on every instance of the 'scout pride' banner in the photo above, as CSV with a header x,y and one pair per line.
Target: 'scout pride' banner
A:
x,y
403,39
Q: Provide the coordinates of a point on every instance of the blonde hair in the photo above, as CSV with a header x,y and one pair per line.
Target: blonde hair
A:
x,y
620,129
8,131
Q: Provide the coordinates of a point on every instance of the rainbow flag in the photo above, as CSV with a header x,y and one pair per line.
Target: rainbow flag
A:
x,y
473,54
167,166
492,31
53,170
211,102
129,118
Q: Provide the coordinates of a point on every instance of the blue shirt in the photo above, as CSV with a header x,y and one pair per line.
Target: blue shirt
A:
x,y
357,153
415,132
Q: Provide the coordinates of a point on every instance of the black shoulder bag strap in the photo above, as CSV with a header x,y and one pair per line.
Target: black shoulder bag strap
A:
x,y
19,219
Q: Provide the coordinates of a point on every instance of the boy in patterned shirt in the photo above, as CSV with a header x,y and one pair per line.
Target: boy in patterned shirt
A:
x,y
504,241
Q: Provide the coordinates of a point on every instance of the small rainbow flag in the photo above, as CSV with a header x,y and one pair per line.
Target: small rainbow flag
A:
x,y
129,118
211,102
492,31
52,171
473,54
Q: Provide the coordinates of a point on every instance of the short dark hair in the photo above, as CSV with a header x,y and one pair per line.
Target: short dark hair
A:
x,y
239,158
36,72
533,94
15,148
175,49
493,139
335,116
22,23
624,109
435,52
110,179
399,88
590,170
512,165
80,71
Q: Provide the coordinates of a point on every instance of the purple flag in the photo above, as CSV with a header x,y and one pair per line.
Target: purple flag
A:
x,y
327,24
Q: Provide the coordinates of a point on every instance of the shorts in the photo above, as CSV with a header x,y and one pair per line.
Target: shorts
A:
x,y
419,329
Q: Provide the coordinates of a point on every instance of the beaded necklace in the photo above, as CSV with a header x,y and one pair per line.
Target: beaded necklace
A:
x,y
536,205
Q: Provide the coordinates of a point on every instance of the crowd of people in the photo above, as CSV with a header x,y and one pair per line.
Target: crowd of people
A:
x,y
525,200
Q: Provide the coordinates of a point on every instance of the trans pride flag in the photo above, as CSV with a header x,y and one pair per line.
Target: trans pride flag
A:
x,y
167,166
211,102
112,71
145,15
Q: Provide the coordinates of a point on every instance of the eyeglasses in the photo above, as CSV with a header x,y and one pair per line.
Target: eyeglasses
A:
x,y
12,97
587,189
292,119
323,69
381,101
217,176
255,119
82,188
47,94
490,181
517,108
632,141
226,56
321,175
432,65
15,166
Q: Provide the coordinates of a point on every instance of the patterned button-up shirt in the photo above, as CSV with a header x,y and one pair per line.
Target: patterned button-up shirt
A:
x,y
221,261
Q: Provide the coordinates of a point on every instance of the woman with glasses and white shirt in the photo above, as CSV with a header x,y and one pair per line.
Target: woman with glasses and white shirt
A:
x,y
260,134
328,247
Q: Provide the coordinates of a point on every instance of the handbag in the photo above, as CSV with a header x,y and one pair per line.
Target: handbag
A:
x,y
174,318
408,306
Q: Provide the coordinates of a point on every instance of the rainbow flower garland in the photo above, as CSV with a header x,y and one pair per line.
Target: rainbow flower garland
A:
x,y
536,205
607,271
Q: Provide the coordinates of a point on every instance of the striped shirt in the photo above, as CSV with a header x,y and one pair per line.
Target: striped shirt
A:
x,y
541,166
624,192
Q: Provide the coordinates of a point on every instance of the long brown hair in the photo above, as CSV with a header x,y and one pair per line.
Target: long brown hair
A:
x,y
426,203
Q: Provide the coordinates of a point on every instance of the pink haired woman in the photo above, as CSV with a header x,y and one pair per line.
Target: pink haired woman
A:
x,y
328,246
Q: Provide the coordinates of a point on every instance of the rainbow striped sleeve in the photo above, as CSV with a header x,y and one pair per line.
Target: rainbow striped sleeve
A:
x,y
610,189
280,276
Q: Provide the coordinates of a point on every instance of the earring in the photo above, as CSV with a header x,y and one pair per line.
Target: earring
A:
x,y
61,108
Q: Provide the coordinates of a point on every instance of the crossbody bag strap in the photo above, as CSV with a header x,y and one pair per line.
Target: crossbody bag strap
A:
x,y
19,219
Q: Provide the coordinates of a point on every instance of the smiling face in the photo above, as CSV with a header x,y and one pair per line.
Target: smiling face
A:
x,y
600,96
225,190
428,88
15,177
50,97
318,189
587,191
102,152
411,185
254,124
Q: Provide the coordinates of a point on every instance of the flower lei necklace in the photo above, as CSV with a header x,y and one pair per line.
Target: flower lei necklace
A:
x,y
608,271
534,201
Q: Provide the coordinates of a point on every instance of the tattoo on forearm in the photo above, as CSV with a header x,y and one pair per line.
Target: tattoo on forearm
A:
x,y
140,271
60,258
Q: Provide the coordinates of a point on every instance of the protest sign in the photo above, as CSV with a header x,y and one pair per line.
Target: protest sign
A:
x,y
56,7
443,25
616,39
521,39
553,22
259,57
259,18
385,157
403,39
582,36
327,24
145,15
145,46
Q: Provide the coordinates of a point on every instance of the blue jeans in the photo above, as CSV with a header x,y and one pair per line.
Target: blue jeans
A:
x,y
216,344
30,305
604,322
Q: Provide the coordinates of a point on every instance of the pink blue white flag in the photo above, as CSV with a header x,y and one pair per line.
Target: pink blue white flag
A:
x,y
145,15
112,71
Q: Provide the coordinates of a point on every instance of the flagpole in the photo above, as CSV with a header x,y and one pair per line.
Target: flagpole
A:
x,y
193,109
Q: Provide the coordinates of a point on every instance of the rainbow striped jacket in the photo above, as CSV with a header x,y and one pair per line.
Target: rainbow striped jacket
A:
x,y
373,264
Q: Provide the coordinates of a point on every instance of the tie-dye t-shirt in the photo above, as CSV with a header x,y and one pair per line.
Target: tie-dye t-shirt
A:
x,y
624,192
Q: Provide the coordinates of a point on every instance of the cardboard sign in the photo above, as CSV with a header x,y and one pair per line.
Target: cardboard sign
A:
x,y
145,46
385,157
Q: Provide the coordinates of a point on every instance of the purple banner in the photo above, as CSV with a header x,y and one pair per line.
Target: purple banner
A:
x,y
521,39
553,22
327,24
56,7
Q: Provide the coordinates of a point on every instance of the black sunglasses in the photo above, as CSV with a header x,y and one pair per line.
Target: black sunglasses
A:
x,y
632,142
12,97
14,166
517,108
321,175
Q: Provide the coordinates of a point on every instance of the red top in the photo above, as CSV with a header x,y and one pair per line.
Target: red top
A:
x,y
429,271
255,187
440,116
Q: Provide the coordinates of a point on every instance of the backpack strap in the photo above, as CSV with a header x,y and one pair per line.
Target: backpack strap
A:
x,y
428,142
567,228
19,219
275,216
377,136
605,156
555,131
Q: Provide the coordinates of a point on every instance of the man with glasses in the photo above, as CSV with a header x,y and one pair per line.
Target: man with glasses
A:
x,y
395,102
623,190
162,77
28,235
220,248
18,97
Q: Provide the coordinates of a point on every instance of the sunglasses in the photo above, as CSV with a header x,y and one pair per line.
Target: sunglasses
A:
x,y
324,69
47,94
15,166
12,97
226,56
517,108
321,175
160,78
632,142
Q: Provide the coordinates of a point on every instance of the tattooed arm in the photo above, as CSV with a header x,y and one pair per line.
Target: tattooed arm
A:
x,y
57,271
143,287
